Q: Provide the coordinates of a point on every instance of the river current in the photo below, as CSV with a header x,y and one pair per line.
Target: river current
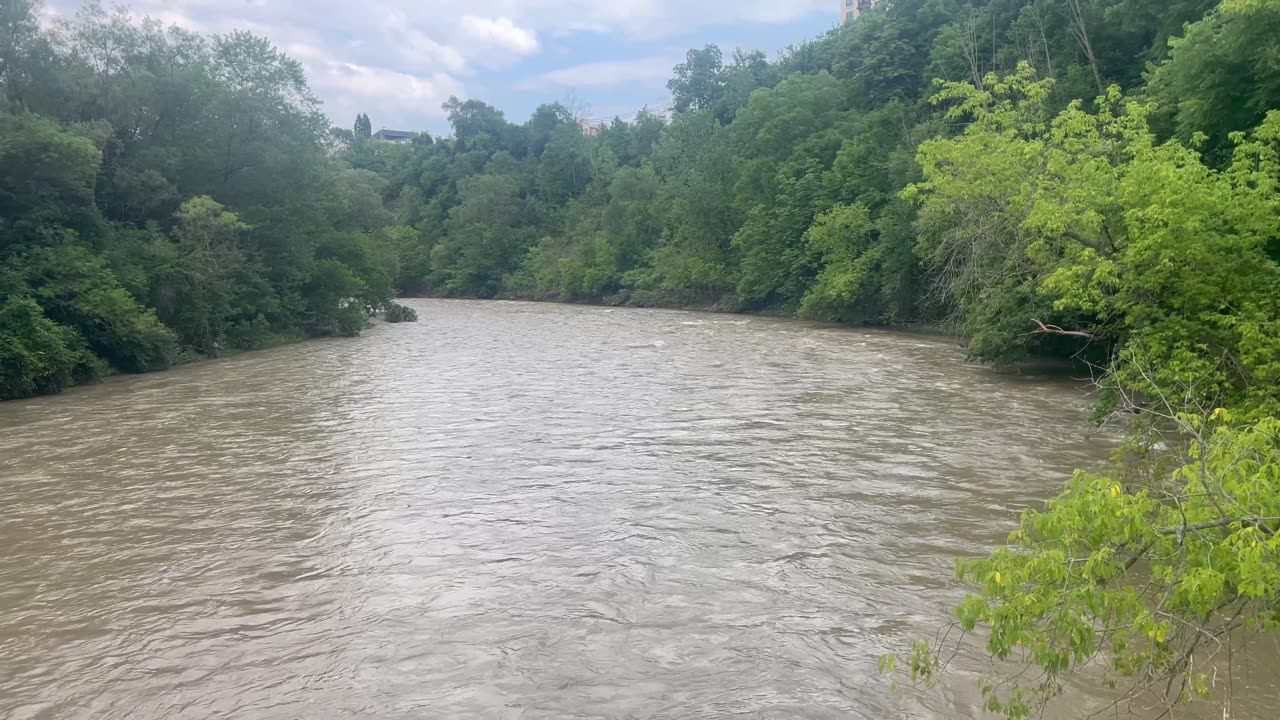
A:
x,y
514,510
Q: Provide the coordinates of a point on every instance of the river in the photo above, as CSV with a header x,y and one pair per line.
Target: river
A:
x,y
514,510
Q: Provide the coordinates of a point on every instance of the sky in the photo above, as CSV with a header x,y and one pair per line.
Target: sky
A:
x,y
398,60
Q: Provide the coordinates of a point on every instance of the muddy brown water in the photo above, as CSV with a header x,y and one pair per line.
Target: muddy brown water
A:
x,y
512,510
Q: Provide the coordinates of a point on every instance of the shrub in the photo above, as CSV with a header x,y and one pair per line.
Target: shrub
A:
x,y
397,313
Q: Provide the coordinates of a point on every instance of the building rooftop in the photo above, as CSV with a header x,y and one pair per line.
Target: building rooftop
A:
x,y
394,135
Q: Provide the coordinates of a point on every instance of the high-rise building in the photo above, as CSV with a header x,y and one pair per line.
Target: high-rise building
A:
x,y
850,9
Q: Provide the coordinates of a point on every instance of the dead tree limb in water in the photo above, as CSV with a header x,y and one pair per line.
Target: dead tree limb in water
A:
x,y
1055,330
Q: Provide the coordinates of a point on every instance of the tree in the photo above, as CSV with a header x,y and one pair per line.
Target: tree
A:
x,y
47,174
747,72
363,128
698,83
565,167
841,237
37,356
1220,77
646,128
486,237
543,125
1140,242
165,195
77,289
194,291
473,119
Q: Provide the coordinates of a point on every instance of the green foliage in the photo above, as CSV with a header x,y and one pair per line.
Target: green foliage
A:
x,y
76,289
486,236
1221,76
565,167
47,174
1068,589
397,313
698,83
167,195
37,355
333,301
695,161
842,238
1088,219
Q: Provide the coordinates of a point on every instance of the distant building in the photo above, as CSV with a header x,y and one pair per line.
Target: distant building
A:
x,y
589,129
851,9
395,136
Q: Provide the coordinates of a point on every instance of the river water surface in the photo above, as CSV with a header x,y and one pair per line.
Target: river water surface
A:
x,y
513,510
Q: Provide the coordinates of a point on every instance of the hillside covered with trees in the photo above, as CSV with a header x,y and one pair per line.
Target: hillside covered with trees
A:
x,y
1094,180
166,196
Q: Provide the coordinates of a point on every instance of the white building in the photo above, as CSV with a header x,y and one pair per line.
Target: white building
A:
x,y
850,9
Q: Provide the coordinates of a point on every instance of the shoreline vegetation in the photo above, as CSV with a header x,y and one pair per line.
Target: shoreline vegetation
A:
x,y
1088,181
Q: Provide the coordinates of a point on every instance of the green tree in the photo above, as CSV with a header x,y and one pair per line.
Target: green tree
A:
x,y
195,290
37,355
695,161
1143,243
565,167
129,154
698,83
1221,76
487,237
47,174
75,288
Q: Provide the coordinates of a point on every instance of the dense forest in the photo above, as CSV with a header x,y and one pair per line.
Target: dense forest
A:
x,y
166,196
1092,180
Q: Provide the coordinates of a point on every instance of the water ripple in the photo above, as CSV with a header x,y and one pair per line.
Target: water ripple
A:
x,y
512,510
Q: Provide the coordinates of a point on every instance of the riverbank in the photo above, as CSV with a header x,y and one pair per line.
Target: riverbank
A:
x,y
188,358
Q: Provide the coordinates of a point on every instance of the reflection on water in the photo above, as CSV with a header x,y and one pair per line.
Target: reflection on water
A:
x,y
514,510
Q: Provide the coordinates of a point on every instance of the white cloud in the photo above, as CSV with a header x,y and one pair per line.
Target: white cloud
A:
x,y
169,17
502,33
383,56
606,74
655,18
47,16
416,49
391,98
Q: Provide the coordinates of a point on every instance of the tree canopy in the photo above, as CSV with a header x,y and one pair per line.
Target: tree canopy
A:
x,y
165,196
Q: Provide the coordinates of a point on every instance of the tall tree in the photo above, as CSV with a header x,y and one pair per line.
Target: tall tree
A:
x,y
698,83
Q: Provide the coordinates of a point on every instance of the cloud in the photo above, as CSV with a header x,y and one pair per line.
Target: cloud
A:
x,y
415,49
502,33
606,74
656,18
391,98
380,56
47,16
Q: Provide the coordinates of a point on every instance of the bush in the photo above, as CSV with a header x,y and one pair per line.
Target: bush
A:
x,y
76,288
250,334
36,354
397,313
333,301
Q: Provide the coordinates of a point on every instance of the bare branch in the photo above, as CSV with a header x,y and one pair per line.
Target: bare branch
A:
x,y
1256,522
1055,330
